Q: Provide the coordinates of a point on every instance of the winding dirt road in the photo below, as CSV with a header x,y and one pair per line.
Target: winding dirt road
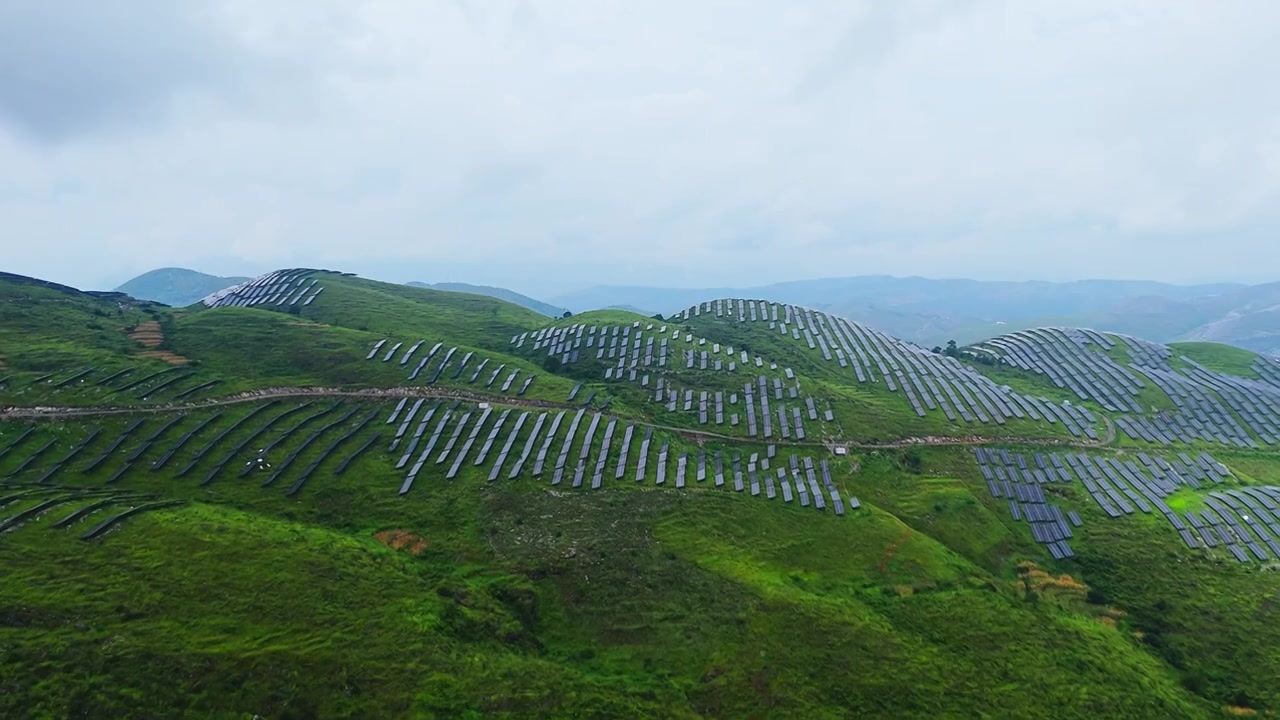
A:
x,y
396,393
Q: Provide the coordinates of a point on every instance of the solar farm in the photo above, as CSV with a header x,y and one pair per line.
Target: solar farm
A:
x,y
286,445
693,372
1240,520
770,401
788,430
280,289
1208,406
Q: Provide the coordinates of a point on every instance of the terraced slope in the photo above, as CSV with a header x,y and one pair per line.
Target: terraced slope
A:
x,y
401,502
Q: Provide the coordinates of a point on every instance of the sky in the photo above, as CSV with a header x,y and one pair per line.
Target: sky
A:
x,y
549,146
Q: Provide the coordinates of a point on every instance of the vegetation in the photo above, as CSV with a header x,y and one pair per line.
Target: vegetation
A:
x,y
257,594
1222,358
178,287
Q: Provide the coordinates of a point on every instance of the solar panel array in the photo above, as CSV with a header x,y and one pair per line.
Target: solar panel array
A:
x,y
29,481
1207,405
282,288
1243,521
429,364
653,357
578,459
1011,476
929,382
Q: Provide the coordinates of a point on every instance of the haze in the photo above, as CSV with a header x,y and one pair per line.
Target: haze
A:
x,y
551,146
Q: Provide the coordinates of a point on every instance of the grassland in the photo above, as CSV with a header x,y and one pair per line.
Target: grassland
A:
x,y
1218,357
530,601
520,598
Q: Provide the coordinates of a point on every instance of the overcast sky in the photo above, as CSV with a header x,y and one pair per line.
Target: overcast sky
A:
x,y
547,146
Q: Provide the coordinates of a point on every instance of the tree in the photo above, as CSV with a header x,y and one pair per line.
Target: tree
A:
x,y
912,461
658,317
567,314
937,350
951,350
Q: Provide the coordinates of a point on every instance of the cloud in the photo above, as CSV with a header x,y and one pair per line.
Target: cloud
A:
x,y
71,68
546,146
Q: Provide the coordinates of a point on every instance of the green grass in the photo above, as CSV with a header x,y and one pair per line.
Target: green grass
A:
x,y
389,310
524,599
1218,357
42,328
610,317
46,331
259,349
640,599
1029,383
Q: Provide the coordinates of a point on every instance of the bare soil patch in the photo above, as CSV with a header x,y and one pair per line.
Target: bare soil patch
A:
x,y
149,335
401,540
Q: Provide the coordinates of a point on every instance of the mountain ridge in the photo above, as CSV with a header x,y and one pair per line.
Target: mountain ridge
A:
x,y
177,287
495,292
930,312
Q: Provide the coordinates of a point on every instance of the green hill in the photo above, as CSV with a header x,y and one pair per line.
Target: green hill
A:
x,y
178,287
496,292
931,311
327,496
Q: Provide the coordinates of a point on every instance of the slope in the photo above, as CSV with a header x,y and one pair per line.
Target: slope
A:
x,y
177,287
514,599
407,502
495,292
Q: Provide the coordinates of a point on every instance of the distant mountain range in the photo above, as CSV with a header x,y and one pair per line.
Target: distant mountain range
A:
x,y
496,292
177,287
931,312
924,311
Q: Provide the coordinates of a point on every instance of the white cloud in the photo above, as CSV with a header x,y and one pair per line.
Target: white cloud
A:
x,y
546,146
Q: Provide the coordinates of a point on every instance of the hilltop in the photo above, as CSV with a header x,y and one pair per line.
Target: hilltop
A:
x,y
930,312
319,495
501,293
177,287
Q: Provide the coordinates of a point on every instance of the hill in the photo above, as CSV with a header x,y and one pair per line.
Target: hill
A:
x,y
496,292
317,495
1246,318
177,287
930,312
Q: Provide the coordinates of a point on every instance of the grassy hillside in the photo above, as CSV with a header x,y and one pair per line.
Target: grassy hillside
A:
x,y
387,309
1222,358
495,292
442,547
510,598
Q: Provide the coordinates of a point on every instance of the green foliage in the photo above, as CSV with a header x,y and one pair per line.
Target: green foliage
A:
x,y
1215,356
516,598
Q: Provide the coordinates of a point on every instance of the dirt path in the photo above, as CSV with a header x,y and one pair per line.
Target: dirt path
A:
x,y
1111,430
396,393
893,548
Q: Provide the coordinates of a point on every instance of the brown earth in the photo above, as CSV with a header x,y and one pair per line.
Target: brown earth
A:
x,y
401,540
149,335
374,394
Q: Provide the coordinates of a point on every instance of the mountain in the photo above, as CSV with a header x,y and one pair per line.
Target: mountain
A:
x,y
496,292
1248,318
327,496
631,309
930,312
177,287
